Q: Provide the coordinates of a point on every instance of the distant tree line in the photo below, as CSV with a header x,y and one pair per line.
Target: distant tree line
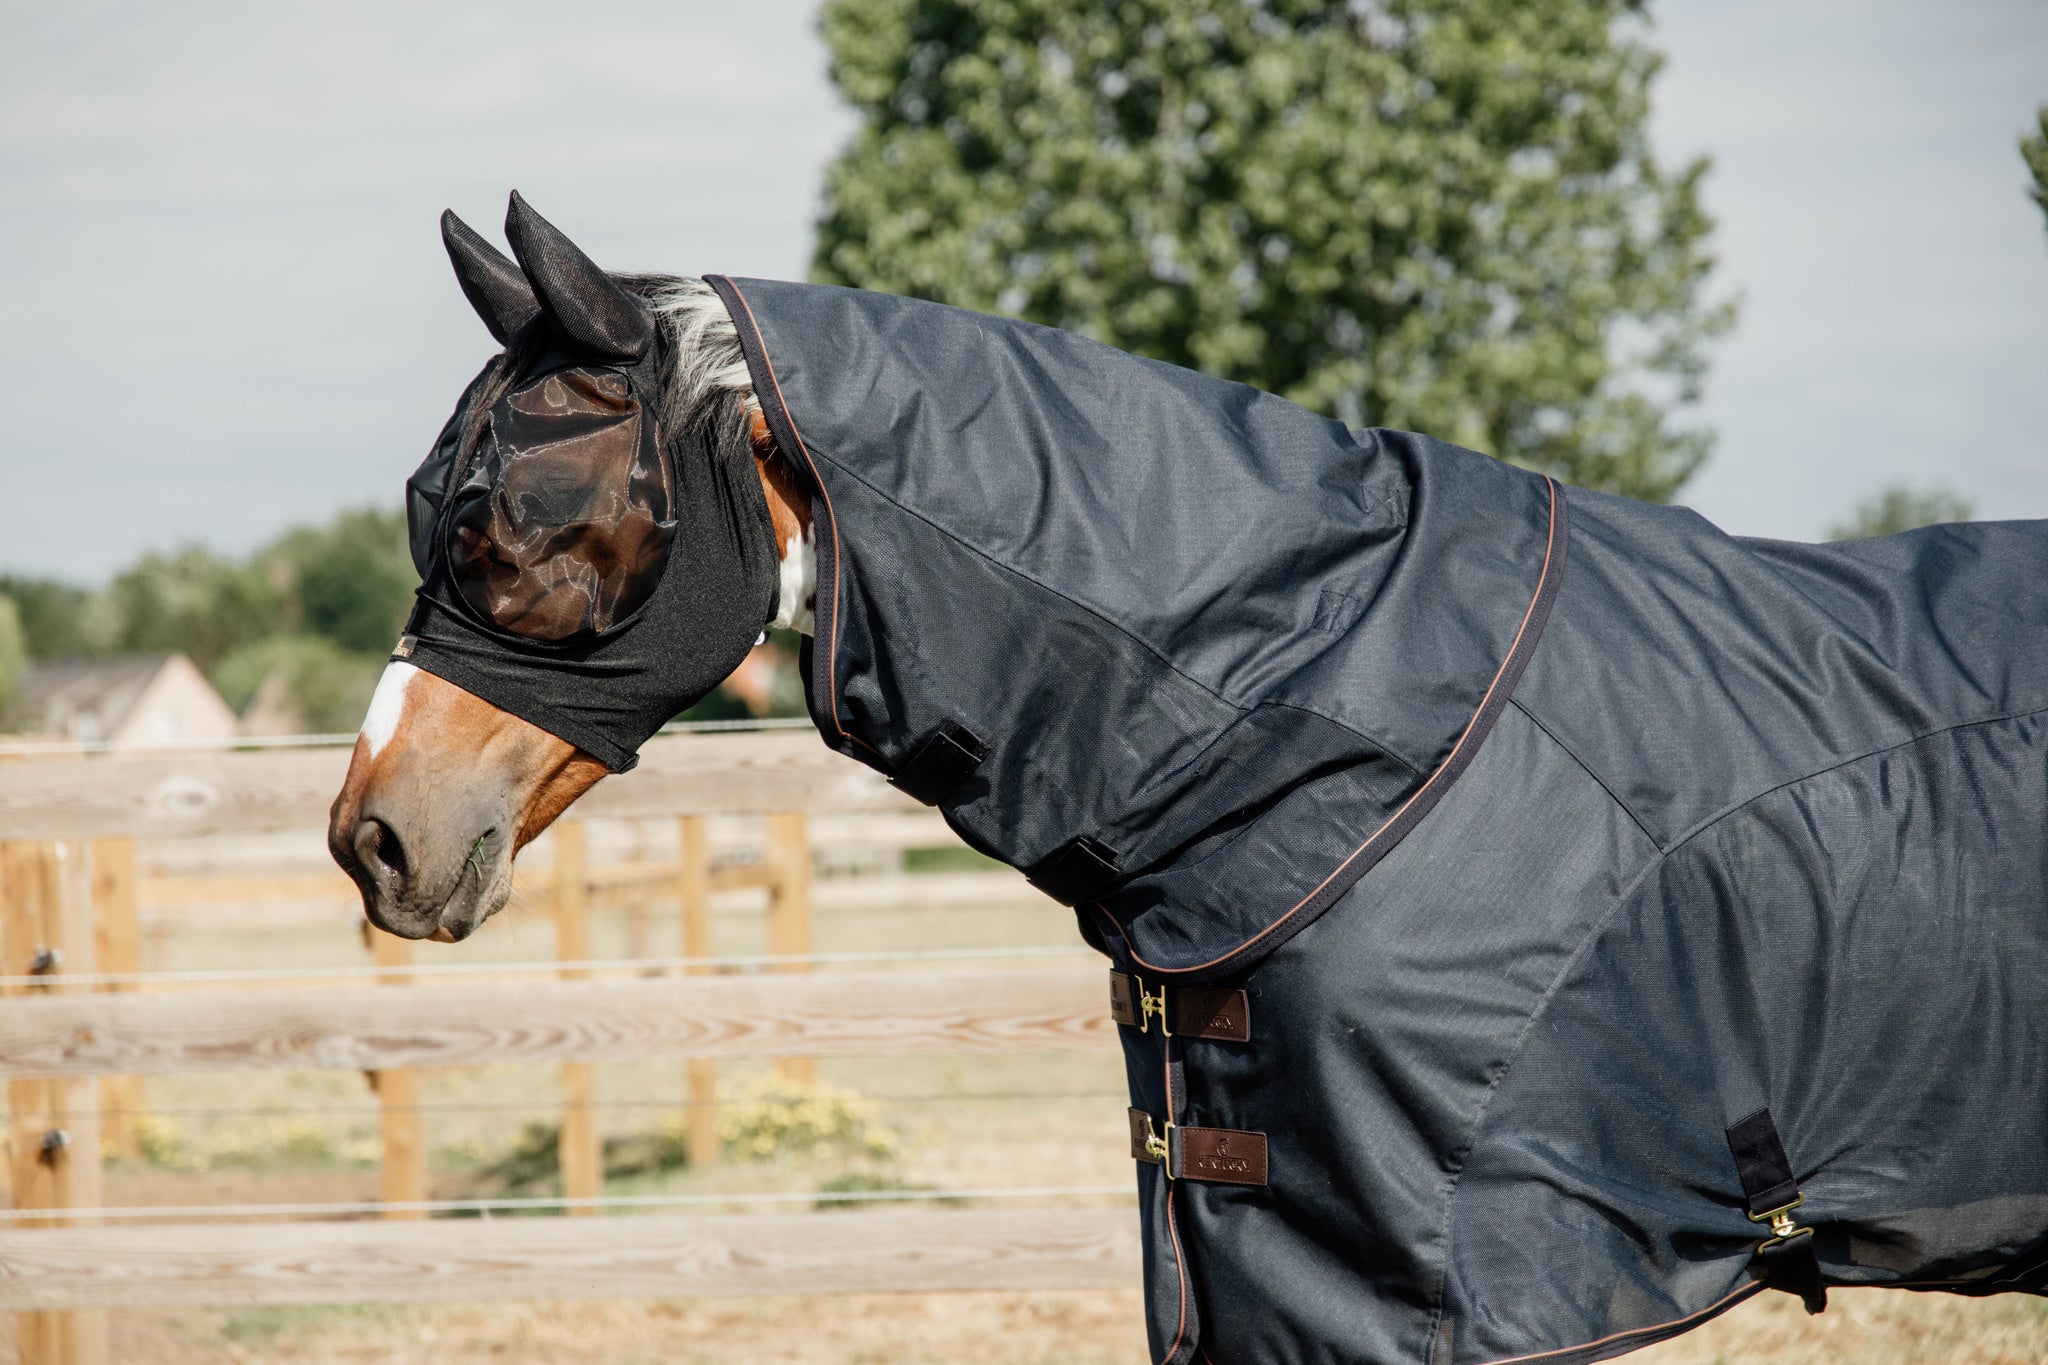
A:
x,y
321,606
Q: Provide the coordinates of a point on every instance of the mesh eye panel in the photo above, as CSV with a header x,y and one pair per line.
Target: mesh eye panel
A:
x,y
563,526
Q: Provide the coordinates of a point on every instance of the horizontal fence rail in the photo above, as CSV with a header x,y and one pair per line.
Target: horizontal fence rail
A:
x,y
374,1028
163,795
531,1258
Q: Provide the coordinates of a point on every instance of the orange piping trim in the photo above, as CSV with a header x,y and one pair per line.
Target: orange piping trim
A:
x,y
838,569
1180,1270
1719,1305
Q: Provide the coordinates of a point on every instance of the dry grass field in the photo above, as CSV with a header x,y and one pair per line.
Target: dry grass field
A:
x,y
930,1123
1862,1327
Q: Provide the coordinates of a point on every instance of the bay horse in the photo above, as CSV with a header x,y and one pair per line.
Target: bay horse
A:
x,y
1537,921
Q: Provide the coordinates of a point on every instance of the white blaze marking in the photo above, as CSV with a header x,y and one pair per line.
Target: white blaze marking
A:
x,y
794,607
387,705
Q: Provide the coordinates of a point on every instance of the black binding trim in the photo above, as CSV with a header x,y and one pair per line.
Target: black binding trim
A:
x,y
936,768
1397,827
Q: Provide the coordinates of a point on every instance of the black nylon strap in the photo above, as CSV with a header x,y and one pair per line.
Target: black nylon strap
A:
x,y
1078,870
944,759
1761,1163
1783,1261
1791,1266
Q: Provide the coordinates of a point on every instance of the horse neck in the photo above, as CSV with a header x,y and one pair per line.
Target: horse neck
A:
x,y
789,509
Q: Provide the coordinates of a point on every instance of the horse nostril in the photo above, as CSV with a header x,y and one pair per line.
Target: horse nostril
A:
x,y
380,852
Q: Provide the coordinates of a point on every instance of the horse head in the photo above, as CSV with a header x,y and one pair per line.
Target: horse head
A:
x,y
602,531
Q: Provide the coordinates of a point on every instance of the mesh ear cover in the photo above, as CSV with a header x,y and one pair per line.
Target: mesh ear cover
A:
x,y
562,528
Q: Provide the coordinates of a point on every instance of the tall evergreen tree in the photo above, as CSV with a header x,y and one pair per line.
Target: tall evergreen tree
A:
x,y
1436,214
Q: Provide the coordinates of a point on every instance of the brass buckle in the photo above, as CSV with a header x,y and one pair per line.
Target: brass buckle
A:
x,y
1783,1229
1157,1146
1149,1005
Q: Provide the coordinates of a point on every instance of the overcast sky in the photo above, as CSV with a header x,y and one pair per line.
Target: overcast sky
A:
x,y
228,309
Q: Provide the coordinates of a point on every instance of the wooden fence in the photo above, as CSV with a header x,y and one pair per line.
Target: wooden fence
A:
x,y
68,894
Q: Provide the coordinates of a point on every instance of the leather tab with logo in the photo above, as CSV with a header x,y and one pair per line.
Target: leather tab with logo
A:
x,y
1220,1154
1222,1016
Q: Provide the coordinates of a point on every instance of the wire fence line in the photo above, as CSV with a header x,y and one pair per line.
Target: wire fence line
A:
x,y
549,966
485,1207
51,748
551,1106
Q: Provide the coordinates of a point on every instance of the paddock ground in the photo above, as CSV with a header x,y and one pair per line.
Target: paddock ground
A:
x,y
1861,1327
952,1122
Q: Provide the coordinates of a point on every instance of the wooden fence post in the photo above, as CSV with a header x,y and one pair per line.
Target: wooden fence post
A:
x,y
788,856
581,1147
117,941
401,1129
693,893
53,1128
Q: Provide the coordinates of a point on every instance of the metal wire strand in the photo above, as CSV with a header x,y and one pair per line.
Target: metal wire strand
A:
x,y
641,965
136,1213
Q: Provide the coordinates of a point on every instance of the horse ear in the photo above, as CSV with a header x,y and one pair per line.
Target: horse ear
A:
x,y
494,286
589,305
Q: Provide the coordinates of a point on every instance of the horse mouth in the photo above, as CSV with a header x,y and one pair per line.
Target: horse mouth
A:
x,y
419,897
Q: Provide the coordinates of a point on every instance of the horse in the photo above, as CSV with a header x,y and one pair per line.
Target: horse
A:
x,y
1537,921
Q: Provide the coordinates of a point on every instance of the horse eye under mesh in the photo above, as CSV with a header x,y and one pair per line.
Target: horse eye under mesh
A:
x,y
563,526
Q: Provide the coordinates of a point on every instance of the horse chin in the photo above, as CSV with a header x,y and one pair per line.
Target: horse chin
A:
x,y
476,899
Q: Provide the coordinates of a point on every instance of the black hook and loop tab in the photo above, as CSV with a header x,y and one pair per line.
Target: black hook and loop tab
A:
x,y
942,760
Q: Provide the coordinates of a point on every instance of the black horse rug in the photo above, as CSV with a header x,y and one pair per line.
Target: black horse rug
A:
x,y
1539,920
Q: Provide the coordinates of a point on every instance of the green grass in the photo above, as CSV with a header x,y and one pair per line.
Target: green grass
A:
x,y
956,859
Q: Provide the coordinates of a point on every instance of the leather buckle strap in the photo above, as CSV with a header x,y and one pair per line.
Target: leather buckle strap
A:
x,y
1226,1156
1784,1260
1188,1011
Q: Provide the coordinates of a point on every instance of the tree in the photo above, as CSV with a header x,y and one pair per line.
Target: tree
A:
x,y
1435,214
195,602
59,620
2034,149
1900,508
350,581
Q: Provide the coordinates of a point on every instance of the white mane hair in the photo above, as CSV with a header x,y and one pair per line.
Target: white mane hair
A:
x,y
708,359
706,384
708,388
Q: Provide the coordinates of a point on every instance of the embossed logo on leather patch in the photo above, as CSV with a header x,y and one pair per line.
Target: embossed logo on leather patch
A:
x,y
1223,1154
1216,1014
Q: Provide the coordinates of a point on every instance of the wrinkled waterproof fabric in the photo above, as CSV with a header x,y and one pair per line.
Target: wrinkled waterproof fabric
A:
x,y
1760,826
580,568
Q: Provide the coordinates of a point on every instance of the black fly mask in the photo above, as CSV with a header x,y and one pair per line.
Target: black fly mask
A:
x,y
588,562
